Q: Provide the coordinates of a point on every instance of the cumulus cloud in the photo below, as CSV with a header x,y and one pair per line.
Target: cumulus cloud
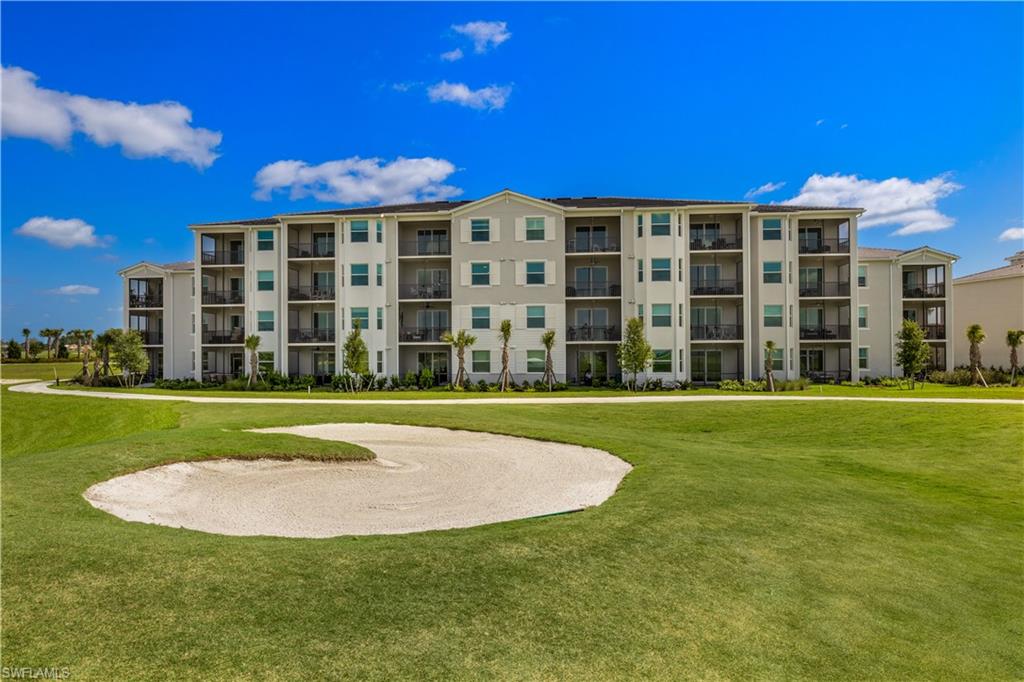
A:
x,y
75,290
491,97
452,55
1012,234
484,34
359,181
900,202
766,188
64,233
141,130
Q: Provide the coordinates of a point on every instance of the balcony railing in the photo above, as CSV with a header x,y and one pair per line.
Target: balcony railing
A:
x,y
591,246
311,250
223,297
232,257
824,289
716,332
716,287
421,334
224,336
825,332
322,335
149,337
145,301
823,245
592,289
827,377
934,332
425,247
709,378
724,243
586,332
925,291
220,377
424,291
311,293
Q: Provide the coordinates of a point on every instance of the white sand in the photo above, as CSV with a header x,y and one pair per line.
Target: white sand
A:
x,y
423,479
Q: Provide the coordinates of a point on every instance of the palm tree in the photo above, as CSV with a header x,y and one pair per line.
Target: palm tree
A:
x,y
460,342
76,336
504,335
769,375
58,333
26,332
976,335
1014,338
104,342
252,344
547,339
48,335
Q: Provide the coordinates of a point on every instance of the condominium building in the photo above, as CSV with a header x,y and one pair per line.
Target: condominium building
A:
x,y
995,300
712,282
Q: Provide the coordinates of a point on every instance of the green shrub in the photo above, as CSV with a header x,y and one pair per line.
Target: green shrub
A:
x,y
741,386
426,379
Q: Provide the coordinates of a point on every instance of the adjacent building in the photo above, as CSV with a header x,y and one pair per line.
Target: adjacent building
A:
x,y
995,300
712,282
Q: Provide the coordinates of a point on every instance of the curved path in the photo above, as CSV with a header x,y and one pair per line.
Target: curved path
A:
x,y
424,478
44,387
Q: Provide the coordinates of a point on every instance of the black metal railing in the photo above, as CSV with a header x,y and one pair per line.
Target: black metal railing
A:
x,y
321,335
591,246
149,337
825,289
723,243
823,244
145,301
311,250
223,297
586,332
716,287
827,376
311,293
716,332
825,332
925,291
588,289
425,247
231,257
224,336
421,334
424,291
712,378
220,377
934,331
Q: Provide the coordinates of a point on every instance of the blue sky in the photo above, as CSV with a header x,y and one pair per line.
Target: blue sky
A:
x,y
917,109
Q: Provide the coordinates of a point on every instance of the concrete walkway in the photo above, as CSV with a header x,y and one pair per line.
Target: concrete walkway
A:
x,y
44,388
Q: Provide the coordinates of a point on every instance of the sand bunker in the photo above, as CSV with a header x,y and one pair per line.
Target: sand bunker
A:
x,y
423,479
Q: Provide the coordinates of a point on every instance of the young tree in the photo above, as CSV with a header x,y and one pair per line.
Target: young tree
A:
x,y
504,335
769,373
1014,338
976,335
47,334
357,357
58,336
130,357
26,332
460,342
75,335
252,344
87,340
13,350
105,344
634,353
547,340
912,351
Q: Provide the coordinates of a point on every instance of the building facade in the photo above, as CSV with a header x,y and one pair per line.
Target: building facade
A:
x,y
712,282
995,300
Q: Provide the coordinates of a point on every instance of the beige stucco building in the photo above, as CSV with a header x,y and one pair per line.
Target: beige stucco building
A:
x,y
995,300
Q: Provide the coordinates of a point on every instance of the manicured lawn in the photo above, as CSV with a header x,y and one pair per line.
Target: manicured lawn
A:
x,y
39,370
751,540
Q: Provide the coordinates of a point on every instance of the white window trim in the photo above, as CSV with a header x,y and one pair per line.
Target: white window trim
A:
x,y
868,359
867,317
526,273
490,273
867,279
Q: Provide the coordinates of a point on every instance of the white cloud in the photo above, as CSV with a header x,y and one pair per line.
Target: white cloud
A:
x,y
491,97
910,206
75,290
819,121
66,234
1012,234
485,34
766,188
359,181
402,87
141,130
452,55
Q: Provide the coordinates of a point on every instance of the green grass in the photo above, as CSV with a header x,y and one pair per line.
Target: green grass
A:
x,y
39,370
771,540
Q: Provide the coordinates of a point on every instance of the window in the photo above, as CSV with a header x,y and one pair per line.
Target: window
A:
x,y
481,317
380,231
481,274
535,361
661,269
639,224
266,360
771,229
535,317
640,312
535,272
193,323
534,229
772,272
662,361
862,357
380,317
360,274
380,274
639,269
359,231
862,317
265,240
380,362
680,314
480,230
661,224
773,316
661,315
265,280
862,275
777,359
361,316
482,361
265,321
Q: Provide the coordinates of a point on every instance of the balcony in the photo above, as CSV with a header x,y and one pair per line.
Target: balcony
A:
x,y
588,332
149,337
925,290
716,287
223,337
232,257
716,332
934,332
587,289
322,249
592,246
145,300
425,247
311,293
724,243
823,245
824,289
827,377
825,332
424,291
325,335
223,297
421,334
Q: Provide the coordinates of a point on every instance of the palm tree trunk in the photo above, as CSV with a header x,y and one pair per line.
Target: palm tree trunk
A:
x,y
1013,366
549,371
976,376
504,379
460,376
